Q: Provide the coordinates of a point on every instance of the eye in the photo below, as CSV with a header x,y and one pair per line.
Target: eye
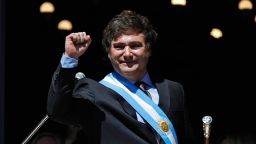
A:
x,y
119,46
135,45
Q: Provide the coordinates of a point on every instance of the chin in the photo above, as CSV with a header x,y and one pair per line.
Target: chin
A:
x,y
127,72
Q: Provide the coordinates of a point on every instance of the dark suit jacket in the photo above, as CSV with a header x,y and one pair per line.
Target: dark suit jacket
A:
x,y
105,116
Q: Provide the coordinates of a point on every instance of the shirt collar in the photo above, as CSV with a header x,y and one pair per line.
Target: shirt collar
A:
x,y
146,79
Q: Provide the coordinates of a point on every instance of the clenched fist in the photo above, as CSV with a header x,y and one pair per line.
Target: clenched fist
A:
x,y
76,44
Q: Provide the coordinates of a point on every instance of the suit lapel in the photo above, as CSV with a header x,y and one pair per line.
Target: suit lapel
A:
x,y
144,130
164,98
127,107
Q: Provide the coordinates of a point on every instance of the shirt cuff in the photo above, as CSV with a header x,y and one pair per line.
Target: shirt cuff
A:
x,y
68,62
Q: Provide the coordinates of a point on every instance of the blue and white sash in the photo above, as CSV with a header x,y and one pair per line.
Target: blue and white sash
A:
x,y
143,105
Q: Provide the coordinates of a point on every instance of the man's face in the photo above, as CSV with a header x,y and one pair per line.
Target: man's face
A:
x,y
129,55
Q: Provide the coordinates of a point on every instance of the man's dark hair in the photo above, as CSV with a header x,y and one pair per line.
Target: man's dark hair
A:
x,y
126,22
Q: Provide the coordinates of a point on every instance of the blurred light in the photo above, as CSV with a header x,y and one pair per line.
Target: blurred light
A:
x,y
216,33
179,2
65,25
255,18
47,7
245,5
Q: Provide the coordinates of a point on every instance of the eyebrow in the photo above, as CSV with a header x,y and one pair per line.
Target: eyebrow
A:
x,y
129,43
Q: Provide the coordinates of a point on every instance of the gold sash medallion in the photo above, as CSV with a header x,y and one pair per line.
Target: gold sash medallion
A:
x,y
164,126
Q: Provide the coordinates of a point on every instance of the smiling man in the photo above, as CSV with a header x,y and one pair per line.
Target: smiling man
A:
x,y
115,110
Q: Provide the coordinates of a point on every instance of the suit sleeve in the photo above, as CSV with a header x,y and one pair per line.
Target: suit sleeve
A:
x,y
190,136
61,106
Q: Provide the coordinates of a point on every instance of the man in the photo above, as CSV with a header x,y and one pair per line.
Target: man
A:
x,y
114,110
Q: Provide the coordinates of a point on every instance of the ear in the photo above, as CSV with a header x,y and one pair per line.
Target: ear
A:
x,y
108,56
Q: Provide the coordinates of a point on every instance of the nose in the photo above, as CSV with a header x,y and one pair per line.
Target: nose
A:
x,y
127,51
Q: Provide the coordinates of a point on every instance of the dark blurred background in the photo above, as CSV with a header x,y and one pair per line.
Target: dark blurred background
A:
x,y
218,74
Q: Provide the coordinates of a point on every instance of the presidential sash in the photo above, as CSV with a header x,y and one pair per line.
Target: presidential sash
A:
x,y
143,105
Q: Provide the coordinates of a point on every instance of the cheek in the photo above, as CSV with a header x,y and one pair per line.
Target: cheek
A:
x,y
112,57
114,54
